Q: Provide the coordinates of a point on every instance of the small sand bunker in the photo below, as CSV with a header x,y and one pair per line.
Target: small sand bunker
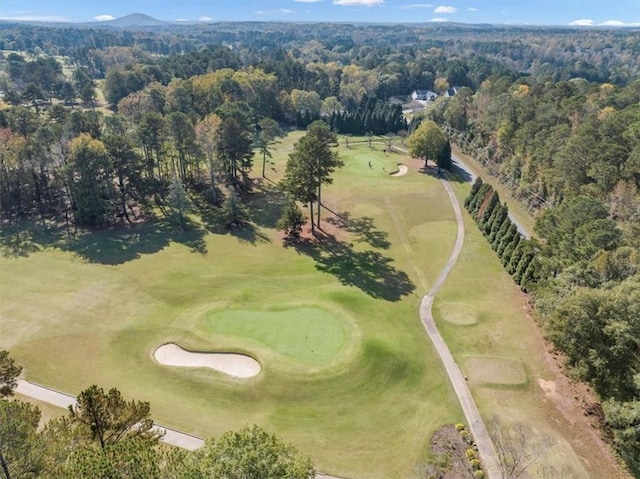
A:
x,y
236,365
402,170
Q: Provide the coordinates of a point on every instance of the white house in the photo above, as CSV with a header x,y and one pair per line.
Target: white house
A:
x,y
424,95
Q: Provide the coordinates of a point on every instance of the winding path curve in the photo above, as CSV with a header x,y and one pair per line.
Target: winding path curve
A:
x,y
471,413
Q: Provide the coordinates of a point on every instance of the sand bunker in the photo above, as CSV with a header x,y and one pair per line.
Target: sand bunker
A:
x,y
402,170
236,365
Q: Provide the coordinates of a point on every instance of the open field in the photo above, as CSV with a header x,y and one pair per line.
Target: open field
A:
x,y
348,373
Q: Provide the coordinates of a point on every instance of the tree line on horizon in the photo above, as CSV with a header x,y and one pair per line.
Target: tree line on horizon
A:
x,y
556,121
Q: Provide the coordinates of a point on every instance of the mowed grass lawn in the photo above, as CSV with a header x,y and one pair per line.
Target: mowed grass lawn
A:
x,y
348,375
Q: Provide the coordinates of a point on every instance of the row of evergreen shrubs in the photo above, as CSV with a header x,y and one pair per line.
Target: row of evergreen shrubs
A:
x,y
518,254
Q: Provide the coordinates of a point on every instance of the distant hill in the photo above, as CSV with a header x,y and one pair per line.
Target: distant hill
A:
x,y
134,20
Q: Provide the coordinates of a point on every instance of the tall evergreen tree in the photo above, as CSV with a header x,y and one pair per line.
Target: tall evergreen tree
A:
x,y
311,165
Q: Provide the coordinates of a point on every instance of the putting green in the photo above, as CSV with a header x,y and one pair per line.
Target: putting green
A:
x,y
309,335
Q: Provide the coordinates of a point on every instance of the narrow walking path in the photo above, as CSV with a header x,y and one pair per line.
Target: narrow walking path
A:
x,y
471,413
171,436
469,175
62,400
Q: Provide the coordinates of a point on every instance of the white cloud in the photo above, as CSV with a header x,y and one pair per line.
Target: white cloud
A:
x,y
306,1
285,11
358,3
472,9
182,20
443,9
438,20
416,5
587,22
103,18
205,19
618,23
583,22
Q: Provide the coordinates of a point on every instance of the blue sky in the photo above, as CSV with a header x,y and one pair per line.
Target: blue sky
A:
x,y
531,12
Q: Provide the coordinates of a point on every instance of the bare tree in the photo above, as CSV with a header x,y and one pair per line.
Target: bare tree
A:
x,y
517,447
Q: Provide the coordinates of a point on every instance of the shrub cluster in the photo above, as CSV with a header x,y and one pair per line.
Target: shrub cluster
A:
x,y
471,451
518,254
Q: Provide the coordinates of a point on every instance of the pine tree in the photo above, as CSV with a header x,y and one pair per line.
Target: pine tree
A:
x,y
474,206
178,199
444,158
501,213
474,191
291,221
508,251
507,239
504,227
491,203
234,213
490,223
518,252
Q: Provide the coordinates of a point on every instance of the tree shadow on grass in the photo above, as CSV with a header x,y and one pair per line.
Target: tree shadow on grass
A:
x,y
266,203
111,246
249,234
121,244
26,238
457,175
362,228
213,222
368,270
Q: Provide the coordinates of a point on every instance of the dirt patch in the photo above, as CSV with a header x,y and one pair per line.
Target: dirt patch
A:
x,y
495,371
236,365
571,405
449,456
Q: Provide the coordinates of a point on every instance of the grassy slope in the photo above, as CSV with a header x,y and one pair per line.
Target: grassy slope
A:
x,y
94,315
503,329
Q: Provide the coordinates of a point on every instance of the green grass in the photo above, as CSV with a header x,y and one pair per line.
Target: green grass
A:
x,y
308,335
94,308
503,329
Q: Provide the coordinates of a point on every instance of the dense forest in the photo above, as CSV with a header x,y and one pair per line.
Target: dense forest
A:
x,y
552,113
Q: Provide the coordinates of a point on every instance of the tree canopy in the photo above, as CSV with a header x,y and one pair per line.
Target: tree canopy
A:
x,y
311,165
427,142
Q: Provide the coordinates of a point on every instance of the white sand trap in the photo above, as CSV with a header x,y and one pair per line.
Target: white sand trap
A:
x,y
236,365
402,170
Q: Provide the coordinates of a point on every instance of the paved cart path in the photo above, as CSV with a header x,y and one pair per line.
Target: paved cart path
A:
x,y
474,419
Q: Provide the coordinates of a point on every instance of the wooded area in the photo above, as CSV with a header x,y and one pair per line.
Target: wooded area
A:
x,y
552,113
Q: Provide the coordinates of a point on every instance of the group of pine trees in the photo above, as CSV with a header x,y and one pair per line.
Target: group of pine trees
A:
x,y
518,254
373,116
